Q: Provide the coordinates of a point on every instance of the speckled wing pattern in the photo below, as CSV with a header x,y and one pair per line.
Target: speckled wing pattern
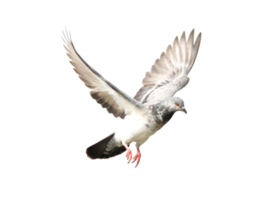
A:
x,y
110,97
169,73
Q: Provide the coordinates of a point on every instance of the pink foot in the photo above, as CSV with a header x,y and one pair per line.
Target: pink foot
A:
x,y
128,154
137,156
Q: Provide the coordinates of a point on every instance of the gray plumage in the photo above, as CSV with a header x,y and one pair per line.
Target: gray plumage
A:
x,y
153,105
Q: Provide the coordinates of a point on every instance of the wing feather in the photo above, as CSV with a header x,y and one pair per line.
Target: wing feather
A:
x,y
169,73
105,93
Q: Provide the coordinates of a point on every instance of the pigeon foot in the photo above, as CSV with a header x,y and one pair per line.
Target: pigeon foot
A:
x,y
137,157
134,158
128,154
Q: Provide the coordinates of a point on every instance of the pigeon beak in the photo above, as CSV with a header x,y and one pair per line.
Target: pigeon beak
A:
x,y
185,111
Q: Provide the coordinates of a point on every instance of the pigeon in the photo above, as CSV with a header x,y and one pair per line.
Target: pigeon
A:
x,y
153,105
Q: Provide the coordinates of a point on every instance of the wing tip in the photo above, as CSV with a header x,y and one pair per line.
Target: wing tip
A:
x,y
65,33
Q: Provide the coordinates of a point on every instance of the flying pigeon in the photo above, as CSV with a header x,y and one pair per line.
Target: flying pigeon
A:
x,y
153,105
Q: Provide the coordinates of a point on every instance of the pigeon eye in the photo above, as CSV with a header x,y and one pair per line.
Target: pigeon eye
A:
x,y
177,104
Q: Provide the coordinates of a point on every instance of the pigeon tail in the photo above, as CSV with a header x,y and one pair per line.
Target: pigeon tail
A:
x,y
100,149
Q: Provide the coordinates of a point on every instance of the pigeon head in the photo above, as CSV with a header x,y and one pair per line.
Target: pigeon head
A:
x,y
177,104
167,108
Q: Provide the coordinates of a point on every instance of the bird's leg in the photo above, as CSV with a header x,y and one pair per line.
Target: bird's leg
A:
x,y
137,157
128,154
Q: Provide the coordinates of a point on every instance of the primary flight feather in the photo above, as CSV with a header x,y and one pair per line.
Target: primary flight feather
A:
x,y
153,105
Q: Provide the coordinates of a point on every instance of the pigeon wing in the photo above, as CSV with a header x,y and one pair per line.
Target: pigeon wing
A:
x,y
105,93
169,73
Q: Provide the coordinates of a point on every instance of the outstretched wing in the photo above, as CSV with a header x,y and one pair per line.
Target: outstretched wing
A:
x,y
169,73
110,97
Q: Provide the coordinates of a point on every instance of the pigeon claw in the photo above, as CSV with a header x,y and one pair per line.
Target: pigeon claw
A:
x,y
128,154
137,157
134,158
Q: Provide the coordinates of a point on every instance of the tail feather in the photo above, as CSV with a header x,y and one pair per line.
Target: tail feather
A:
x,y
98,150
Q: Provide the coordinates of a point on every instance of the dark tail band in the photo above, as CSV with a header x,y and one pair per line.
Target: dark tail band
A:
x,y
97,151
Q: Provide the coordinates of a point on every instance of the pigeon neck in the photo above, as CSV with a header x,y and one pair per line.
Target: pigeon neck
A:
x,y
162,113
